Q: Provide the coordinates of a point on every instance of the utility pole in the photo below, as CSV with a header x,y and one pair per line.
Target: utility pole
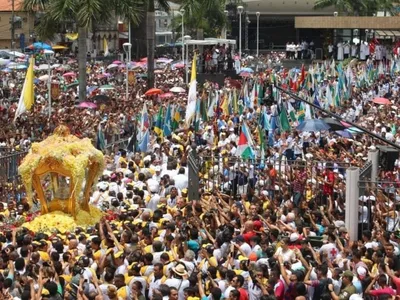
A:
x,y
12,25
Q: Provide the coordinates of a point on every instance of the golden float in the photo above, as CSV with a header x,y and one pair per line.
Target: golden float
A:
x,y
62,170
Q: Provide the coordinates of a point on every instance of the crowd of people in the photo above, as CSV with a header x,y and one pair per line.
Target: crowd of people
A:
x,y
270,226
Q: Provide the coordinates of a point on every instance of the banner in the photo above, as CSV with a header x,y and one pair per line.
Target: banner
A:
x,y
55,90
131,78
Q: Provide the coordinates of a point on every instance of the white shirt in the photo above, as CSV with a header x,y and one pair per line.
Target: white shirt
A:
x,y
179,284
181,181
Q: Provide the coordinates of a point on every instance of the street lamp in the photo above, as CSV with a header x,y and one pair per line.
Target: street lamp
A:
x,y
225,29
186,38
127,48
258,30
240,10
49,56
182,12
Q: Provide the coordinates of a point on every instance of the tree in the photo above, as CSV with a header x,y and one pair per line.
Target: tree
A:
x,y
150,34
84,13
202,18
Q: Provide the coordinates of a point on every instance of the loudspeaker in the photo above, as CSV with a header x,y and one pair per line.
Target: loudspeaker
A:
x,y
214,78
387,157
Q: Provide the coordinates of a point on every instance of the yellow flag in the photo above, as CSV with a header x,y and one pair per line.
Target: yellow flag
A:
x,y
27,95
194,66
72,36
105,47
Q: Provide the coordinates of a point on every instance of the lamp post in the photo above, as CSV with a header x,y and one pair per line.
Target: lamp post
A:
x,y
225,27
240,10
182,12
186,38
127,48
258,30
48,60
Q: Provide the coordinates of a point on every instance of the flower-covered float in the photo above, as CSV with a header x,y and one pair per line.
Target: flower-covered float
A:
x,y
61,170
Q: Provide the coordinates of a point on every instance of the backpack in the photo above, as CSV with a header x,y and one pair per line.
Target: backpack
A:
x,y
322,288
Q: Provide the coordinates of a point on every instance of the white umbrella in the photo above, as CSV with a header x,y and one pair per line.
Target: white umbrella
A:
x,y
112,66
44,67
55,66
44,77
177,89
46,51
4,61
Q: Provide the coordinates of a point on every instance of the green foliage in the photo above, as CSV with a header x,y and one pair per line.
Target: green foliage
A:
x,y
83,12
206,15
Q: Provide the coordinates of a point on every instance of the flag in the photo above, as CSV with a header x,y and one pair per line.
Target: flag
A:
x,y
245,144
176,117
27,95
144,142
167,131
316,102
105,47
302,74
292,112
191,104
283,118
235,102
100,141
225,104
264,122
72,36
144,120
261,139
158,126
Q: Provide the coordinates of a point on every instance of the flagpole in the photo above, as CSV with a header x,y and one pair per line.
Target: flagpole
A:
x,y
294,96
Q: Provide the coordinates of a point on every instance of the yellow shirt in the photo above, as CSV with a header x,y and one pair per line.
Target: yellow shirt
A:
x,y
44,256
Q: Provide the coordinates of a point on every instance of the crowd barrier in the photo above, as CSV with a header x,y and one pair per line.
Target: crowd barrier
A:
x,y
226,174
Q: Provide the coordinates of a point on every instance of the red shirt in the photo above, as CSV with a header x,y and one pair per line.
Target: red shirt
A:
x,y
243,294
328,187
248,235
279,290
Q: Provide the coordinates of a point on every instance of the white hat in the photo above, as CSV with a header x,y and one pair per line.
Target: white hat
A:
x,y
294,237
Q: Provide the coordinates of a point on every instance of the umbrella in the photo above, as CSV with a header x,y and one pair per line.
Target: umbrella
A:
x,y
121,66
179,66
334,124
248,70
143,75
344,133
101,99
106,87
48,51
117,62
166,95
55,66
4,61
6,70
21,67
40,46
43,67
355,130
382,101
313,125
69,74
158,71
112,66
177,89
144,59
72,85
87,105
153,91
244,74
44,77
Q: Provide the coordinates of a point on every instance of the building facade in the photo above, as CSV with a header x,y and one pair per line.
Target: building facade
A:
x,y
276,22
22,23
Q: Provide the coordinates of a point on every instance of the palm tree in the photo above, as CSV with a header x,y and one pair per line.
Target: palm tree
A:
x,y
205,17
84,13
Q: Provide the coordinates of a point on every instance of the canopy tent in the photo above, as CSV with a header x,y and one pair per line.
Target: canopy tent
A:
x,y
210,41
